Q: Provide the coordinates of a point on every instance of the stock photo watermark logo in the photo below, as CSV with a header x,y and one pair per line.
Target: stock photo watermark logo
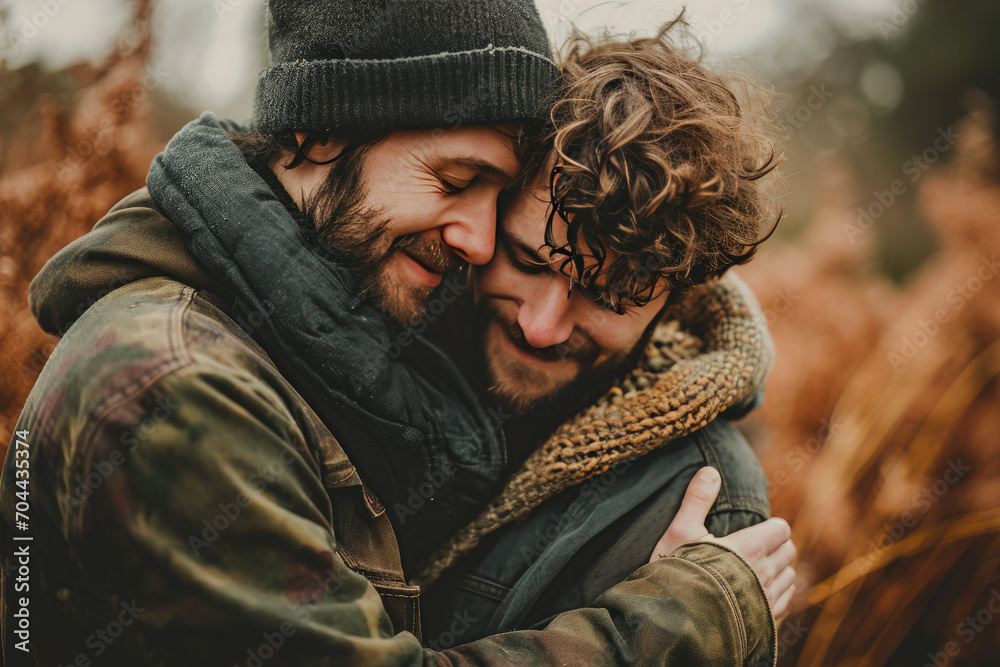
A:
x,y
229,512
796,459
448,294
466,449
922,502
900,13
590,492
803,113
968,629
460,624
708,31
784,299
224,8
88,481
26,28
957,297
913,168
100,139
101,640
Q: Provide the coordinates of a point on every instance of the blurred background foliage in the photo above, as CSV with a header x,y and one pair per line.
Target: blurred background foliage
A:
x,y
880,430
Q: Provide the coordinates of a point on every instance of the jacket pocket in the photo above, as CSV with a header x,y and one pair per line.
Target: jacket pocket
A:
x,y
402,603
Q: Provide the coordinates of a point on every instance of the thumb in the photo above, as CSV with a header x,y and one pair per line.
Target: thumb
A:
x,y
698,500
689,522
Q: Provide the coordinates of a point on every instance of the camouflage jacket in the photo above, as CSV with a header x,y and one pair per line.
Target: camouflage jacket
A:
x,y
186,507
185,504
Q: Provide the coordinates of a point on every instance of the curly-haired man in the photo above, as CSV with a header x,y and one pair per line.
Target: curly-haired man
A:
x,y
645,190
219,446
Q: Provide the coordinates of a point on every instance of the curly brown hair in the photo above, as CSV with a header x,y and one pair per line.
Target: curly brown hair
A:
x,y
654,167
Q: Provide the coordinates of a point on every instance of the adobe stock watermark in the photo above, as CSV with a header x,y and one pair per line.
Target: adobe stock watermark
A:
x,y
713,28
791,633
910,344
898,16
213,527
424,492
306,602
460,624
102,638
29,26
595,488
162,409
784,299
802,114
224,8
967,629
913,168
444,297
923,501
795,460
98,141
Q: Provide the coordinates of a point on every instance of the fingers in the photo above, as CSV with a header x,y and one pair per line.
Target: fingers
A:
x,y
688,524
780,608
756,542
777,561
777,586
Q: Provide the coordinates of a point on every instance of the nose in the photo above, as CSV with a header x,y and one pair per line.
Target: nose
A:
x,y
471,230
545,315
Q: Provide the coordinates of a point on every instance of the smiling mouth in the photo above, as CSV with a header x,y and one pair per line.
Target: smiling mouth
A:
x,y
432,258
431,262
541,356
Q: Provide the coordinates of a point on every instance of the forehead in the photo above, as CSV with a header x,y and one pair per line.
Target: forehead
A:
x,y
526,213
475,143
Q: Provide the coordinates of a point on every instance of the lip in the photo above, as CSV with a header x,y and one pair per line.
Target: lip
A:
x,y
421,272
523,355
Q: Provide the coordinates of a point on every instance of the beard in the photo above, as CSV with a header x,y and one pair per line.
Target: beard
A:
x,y
521,388
357,237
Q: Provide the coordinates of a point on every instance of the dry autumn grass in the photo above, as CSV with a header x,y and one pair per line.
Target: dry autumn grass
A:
x,y
882,415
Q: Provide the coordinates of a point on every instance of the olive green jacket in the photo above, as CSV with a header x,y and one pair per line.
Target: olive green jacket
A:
x,y
187,507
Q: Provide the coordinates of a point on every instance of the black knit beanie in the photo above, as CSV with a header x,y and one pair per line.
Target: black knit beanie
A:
x,y
343,65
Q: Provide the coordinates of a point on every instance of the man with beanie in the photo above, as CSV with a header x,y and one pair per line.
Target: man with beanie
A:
x,y
192,449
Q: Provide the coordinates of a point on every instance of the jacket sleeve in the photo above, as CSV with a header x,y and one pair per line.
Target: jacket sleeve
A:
x,y
216,528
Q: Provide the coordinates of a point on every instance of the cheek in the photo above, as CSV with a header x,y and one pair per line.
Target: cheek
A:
x,y
409,209
618,334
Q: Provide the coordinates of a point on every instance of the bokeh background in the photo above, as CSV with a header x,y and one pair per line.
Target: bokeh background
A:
x,y
881,430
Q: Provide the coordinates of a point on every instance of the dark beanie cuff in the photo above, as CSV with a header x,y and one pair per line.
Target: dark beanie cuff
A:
x,y
481,87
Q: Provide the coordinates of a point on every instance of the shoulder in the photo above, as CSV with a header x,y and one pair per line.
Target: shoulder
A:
x,y
137,353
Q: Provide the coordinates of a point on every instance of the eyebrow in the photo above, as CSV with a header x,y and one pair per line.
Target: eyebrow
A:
x,y
511,240
482,167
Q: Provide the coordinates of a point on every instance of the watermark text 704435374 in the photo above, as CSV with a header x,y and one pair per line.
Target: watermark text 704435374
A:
x,y
22,552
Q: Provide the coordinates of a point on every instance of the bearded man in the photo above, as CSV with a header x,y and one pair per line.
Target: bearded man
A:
x,y
646,189
212,445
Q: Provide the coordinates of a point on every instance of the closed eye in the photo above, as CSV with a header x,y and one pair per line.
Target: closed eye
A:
x,y
450,188
529,268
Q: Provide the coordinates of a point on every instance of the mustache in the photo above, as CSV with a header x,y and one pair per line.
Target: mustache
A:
x,y
585,352
433,253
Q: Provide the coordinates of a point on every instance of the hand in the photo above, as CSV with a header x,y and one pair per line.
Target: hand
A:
x,y
767,547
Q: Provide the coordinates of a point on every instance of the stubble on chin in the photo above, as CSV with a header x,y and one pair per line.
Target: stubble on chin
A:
x,y
403,304
514,384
